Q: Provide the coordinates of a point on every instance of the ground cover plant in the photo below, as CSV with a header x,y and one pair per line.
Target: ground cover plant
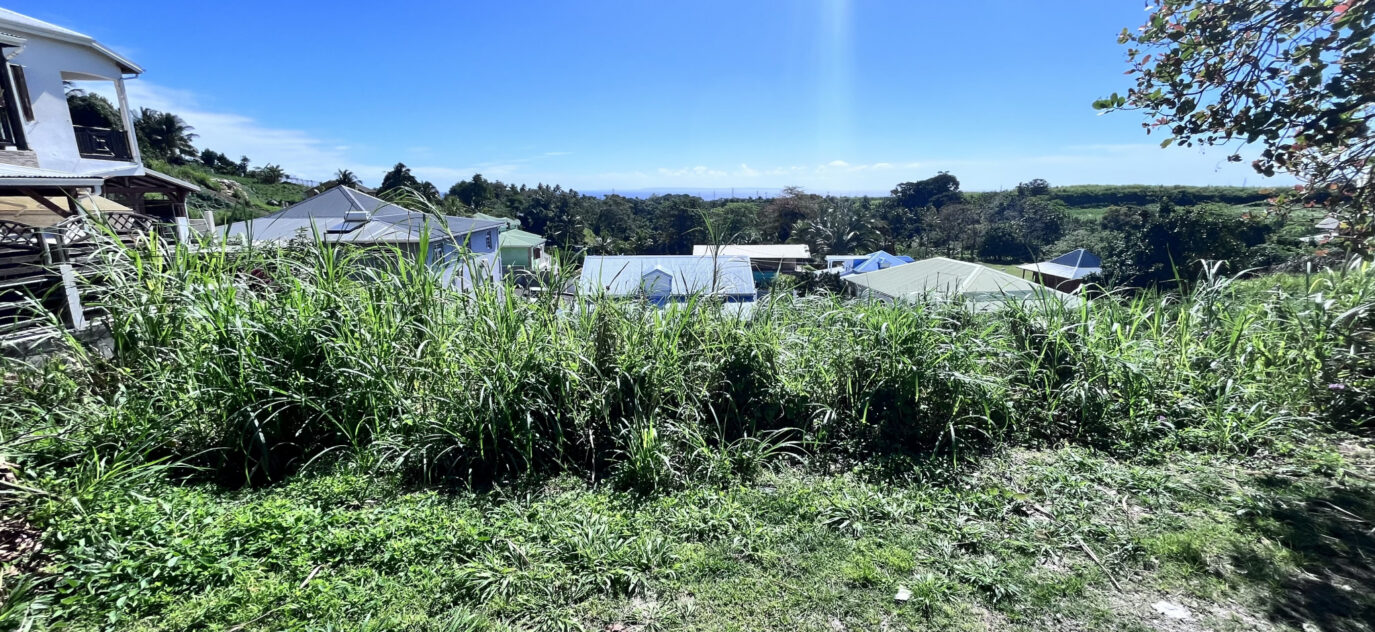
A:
x,y
295,440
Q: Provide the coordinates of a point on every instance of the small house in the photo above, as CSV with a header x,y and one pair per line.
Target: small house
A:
x,y
983,288
464,249
1065,272
845,265
521,250
668,279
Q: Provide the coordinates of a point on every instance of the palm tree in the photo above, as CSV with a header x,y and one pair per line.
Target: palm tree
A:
x,y
164,135
270,174
842,228
346,178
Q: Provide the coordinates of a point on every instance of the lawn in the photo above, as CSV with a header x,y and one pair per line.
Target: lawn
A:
x,y
1021,539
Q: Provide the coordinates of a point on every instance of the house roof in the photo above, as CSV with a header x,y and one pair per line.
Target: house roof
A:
x,y
510,222
691,274
760,251
26,210
1075,264
377,221
880,260
12,22
520,239
984,287
17,176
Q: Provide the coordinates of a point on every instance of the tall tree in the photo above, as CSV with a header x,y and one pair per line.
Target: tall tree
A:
x,y
92,110
678,223
843,226
1295,76
399,177
936,191
346,178
781,215
164,135
476,193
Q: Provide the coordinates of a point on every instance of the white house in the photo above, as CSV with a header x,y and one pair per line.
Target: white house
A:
x,y
463,249
669,279
43,154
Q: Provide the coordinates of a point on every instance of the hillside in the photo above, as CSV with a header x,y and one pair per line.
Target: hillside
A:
x,y
230,196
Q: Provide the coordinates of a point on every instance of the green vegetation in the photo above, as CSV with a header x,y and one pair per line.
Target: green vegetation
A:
x,y
1286,75
290,440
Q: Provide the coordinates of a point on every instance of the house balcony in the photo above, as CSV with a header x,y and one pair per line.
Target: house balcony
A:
x,y
102,143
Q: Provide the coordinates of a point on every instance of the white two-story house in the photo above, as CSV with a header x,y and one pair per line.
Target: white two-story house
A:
x,y
48,162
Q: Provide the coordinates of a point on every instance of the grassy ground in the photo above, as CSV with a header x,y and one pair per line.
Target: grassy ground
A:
x,y
1021,540
327,439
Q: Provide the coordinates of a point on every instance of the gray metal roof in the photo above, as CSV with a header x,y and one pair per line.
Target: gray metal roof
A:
x,y
756,251
625,275
369,219
15,175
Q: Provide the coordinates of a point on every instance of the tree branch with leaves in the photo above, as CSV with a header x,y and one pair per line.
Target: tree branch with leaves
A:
x,y
1295,76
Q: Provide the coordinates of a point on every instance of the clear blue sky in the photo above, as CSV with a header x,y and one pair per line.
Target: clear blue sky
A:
x,y
831,95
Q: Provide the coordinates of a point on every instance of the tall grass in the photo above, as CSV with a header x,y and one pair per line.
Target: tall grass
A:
x,y
252,364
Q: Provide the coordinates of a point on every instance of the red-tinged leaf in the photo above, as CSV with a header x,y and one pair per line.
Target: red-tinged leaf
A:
x,y
1341,8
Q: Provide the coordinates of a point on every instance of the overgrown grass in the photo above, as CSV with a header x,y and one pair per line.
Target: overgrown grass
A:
x,y
248,367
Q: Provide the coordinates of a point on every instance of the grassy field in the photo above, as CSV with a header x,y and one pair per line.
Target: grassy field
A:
x,y
292,441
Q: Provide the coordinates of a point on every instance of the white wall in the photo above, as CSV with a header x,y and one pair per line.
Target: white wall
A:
x,y
50,135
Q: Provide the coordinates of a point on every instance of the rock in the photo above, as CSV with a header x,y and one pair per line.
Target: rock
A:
x,y
903,594
1171,609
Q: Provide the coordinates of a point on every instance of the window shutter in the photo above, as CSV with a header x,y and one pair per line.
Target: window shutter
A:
x,y
21,89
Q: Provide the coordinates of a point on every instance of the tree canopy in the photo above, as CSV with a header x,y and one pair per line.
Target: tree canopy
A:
x,y
164,135
1295,76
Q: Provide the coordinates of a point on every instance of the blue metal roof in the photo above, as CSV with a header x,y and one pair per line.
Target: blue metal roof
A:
x,y
880,260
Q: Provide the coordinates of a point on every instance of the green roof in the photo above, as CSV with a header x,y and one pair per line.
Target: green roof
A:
x,y
984,288
520,239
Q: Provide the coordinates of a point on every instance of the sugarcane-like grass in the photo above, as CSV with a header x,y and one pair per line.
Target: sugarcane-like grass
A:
x,y
253,369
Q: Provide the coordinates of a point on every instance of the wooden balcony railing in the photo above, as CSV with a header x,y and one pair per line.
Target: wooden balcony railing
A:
x,y
102,143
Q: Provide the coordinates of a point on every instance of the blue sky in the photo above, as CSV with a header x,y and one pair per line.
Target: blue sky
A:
x,y
831,95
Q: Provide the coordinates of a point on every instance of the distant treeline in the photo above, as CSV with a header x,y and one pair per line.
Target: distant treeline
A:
x,y
1098,195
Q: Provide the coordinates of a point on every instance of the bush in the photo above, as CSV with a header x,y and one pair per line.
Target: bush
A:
x,y
255,363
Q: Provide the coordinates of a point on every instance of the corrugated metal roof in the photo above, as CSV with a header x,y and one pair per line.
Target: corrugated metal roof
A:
x,y
984,287
760,251
625,275
381,221
15,175
13,22
881,260
520,239
1075,264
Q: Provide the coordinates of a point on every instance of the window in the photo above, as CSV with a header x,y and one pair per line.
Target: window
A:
x,y
489,240
21,90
